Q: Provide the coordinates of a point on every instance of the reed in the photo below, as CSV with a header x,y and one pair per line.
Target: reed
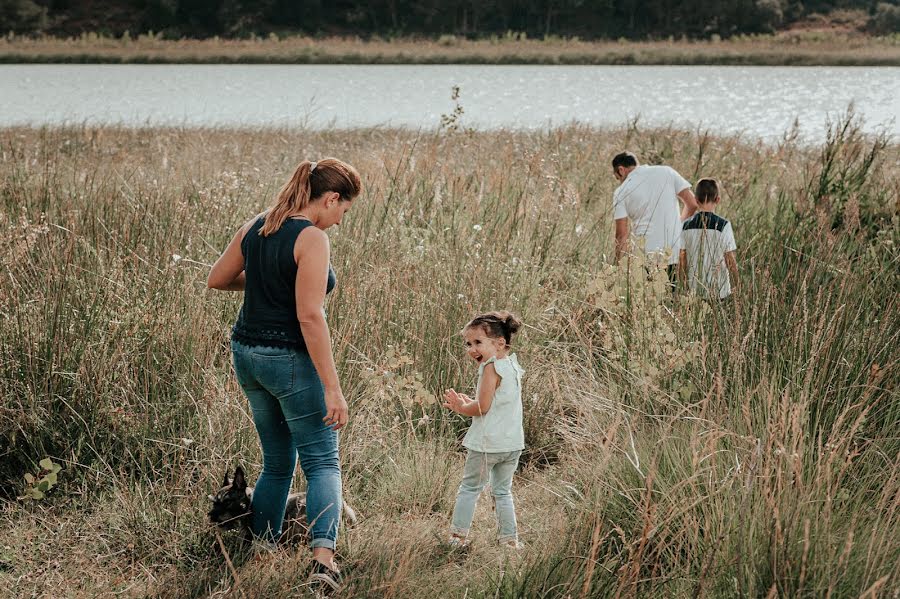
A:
x,y
787,48
674,449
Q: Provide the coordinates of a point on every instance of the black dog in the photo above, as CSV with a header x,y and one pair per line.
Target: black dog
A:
x,y
231,507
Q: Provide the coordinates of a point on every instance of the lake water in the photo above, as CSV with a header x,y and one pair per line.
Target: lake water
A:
x,y
758,101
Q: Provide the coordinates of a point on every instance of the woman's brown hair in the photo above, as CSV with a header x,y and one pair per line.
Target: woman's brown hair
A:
x,y
307,184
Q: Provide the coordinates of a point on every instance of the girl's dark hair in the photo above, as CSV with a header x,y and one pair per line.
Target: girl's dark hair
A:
x,y
306,185
499,324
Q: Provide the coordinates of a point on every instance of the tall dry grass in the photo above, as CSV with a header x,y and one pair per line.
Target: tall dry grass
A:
x,y
674,449
785,48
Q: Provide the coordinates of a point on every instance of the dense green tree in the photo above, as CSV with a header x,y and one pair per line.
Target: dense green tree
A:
x,y
589,19
886,18
22,16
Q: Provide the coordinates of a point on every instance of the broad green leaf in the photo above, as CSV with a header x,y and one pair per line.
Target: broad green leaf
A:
x,y
43,485
51,478
36,494
56,468
29,478
46,464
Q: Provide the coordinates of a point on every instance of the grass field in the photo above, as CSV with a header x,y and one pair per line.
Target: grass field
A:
x,y
786,48
674,449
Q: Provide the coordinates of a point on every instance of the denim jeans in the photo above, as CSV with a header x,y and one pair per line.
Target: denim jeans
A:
x,y
288,403
481,469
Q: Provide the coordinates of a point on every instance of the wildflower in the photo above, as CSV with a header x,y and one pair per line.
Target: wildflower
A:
x,y
176,258
477,227
579,229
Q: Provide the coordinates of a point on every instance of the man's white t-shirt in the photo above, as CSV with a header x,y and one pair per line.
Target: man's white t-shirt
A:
x,y
648,197
706,238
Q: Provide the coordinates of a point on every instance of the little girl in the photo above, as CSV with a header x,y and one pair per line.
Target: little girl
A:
x,y
496,439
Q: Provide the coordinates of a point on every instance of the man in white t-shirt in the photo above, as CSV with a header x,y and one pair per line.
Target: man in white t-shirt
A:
x,y
647,198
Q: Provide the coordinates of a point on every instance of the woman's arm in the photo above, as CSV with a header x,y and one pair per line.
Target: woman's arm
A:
x,y
313,261
227,274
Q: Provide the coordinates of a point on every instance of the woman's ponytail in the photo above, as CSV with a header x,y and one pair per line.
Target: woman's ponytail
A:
x,y
292,198
309,181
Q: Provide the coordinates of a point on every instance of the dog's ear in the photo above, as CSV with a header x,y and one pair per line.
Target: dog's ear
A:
x,y
239,481
225,481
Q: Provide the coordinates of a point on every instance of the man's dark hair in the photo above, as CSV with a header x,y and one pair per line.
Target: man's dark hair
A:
x,y
626,159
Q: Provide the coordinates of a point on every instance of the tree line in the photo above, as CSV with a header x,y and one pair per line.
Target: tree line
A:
x,y
587,19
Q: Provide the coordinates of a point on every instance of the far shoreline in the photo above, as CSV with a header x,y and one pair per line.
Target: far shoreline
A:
x,y
782,49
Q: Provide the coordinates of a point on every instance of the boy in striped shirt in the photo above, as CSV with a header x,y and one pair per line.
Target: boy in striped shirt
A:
x,y
707,263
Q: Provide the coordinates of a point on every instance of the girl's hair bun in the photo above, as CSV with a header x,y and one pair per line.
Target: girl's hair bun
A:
x,y
510,321
499,324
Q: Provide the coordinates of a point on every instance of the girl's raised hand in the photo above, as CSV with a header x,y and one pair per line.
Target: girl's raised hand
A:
x,y
453,400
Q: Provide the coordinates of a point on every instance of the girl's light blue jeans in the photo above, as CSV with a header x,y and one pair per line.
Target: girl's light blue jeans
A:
x,y
288,403
481,469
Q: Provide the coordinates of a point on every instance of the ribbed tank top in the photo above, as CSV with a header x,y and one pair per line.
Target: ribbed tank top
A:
x,y
268,315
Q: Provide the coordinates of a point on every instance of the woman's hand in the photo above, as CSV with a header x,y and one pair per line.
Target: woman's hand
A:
x,y
337,412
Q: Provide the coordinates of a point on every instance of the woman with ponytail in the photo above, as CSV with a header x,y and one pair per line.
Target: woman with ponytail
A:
x,y
282,352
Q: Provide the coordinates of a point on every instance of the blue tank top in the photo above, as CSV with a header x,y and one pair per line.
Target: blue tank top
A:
x,y
268,315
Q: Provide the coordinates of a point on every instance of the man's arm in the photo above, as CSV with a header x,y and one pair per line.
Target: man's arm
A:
x,y
690,203
682,268
621,237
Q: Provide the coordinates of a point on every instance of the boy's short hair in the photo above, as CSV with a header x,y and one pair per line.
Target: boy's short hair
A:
x,y
707,191
626,159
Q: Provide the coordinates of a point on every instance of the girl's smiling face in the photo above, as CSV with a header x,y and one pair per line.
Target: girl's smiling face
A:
x,y
480,347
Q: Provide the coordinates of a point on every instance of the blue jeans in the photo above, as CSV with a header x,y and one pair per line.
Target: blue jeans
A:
x,y
288,403
481,469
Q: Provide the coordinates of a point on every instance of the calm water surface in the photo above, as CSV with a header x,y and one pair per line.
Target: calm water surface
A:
x,y
758,101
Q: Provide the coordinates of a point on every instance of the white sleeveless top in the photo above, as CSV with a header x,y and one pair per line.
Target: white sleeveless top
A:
x,y
500,430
